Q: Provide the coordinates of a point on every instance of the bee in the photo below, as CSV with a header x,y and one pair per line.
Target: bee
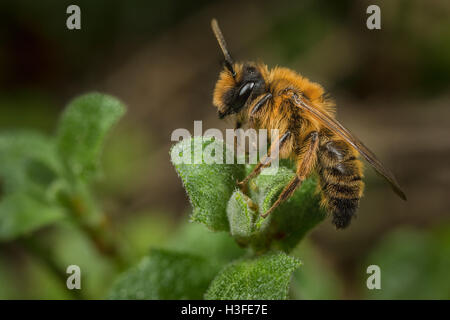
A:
x,y
282,99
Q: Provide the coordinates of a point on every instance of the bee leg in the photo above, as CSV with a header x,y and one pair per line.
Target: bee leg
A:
x,y
237,125
285,194
260,103
267,159
309,158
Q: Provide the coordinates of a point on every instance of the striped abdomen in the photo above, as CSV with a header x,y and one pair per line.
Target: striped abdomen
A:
x,y
341,183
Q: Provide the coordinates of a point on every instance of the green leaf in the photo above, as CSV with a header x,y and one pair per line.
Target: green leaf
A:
x,y
289,223
219,205
28,162
284,227
241,216
166,274
29,176
82,129
21,214
208,185
262,278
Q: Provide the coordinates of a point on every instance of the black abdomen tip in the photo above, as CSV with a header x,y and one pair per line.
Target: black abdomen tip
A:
x,y
343,212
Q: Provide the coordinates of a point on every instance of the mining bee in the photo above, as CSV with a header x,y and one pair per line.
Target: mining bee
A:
x,y
282,99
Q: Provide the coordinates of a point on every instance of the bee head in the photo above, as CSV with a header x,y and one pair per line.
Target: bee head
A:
x,y
238,83
233,94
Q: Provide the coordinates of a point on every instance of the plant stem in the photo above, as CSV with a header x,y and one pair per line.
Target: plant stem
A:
x,y
47,259
99,233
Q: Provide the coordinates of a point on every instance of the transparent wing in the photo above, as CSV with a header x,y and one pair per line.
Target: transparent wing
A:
x,y
340,130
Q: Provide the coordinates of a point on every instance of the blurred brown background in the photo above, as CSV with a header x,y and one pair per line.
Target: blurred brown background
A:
x,y
160,58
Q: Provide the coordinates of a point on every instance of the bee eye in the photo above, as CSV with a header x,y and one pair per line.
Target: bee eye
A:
x,y
247,87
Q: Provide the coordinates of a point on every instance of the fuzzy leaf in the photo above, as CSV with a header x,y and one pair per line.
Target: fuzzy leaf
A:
x,y
28,161
29,174
262,278
21,214
82,129
208,185
289,223
241,216
166,274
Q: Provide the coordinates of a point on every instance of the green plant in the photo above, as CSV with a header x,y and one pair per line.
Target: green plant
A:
x,y
48,181
261,268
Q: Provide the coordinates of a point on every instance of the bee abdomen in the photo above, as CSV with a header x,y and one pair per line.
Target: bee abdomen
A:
x,y
340,181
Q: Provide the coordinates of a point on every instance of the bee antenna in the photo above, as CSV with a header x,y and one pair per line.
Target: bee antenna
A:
x,y
223,45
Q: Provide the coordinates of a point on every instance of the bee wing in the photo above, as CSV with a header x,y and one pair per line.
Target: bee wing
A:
x,y
345,134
